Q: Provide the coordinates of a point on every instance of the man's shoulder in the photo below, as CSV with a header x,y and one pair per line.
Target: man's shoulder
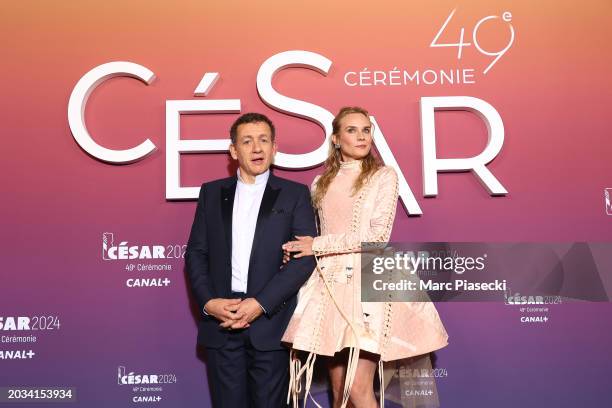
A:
x,y
222,182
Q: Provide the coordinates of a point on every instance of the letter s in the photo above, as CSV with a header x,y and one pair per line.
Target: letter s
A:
x,y
317,114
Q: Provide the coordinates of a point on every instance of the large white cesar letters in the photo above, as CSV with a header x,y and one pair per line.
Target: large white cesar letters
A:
x,y
175,146
432,165
296,58
78,102
296,107
319,115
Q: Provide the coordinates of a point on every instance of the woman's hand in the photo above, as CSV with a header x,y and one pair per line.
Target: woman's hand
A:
x,y
303,247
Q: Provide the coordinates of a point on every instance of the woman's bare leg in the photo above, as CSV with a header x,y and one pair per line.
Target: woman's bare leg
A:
x,y
362,392
337,372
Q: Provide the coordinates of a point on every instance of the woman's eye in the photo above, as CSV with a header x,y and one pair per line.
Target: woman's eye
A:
x,y
366,131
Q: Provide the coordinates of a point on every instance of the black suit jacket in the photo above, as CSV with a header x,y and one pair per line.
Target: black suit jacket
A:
x,y
285,211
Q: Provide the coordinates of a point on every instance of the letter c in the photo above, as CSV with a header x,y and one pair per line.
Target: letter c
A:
x,y
78,101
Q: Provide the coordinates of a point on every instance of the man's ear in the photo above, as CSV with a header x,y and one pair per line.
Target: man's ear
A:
x,y
274,148
233,152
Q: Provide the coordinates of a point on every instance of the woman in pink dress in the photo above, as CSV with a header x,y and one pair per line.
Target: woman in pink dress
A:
x,y
356,201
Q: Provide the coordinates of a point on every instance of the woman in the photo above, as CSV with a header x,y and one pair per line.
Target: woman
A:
x,y
356,199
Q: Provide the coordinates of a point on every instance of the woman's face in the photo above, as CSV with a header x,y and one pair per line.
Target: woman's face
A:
x,y
354,136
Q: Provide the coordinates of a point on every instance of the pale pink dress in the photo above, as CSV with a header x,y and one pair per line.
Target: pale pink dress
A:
x,y
324,324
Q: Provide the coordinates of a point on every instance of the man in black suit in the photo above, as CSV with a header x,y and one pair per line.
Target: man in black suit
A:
x,y
234,262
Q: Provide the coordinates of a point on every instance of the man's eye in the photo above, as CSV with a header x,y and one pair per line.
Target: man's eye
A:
x,y
351,130
246,142
366,130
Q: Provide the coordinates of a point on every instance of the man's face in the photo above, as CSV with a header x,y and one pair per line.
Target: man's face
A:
x,y
253,149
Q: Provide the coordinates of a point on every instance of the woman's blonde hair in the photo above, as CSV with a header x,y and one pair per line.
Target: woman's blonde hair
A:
x,y
370,163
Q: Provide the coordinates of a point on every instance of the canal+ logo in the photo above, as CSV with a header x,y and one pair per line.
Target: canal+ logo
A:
x,y
112,252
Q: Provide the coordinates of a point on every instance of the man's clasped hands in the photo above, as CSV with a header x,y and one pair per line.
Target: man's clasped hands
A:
x,y
234,313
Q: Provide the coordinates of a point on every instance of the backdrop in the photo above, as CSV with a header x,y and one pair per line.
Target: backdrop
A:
x,y
100,170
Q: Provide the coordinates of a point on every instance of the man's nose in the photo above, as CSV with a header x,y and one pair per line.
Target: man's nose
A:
x,y
257,147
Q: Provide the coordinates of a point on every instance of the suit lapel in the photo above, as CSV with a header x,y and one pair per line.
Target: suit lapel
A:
x,y
227,209
265,209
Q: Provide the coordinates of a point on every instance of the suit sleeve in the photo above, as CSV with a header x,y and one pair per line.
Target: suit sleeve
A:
x,y
196,255
380,225
290,278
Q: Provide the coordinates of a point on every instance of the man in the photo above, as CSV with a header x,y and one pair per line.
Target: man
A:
x,y
234,260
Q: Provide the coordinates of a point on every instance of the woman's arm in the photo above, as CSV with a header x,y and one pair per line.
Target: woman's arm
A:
x,y
303,244
380,224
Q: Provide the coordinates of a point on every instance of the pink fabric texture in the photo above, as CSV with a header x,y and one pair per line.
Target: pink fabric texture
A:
x,y
393,330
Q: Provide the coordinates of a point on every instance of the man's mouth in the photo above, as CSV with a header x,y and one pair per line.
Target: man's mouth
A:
x,y
258,160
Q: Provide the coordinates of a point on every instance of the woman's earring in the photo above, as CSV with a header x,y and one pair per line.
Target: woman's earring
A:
x,y
337,146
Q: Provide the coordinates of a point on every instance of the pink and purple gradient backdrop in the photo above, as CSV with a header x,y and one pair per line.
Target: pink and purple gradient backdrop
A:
x,y
552,89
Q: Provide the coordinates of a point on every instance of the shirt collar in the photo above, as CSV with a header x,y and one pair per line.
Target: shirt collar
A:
x,y
353,164
259,179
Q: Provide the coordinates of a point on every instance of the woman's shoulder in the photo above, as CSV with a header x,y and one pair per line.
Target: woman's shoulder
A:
x,y
386,173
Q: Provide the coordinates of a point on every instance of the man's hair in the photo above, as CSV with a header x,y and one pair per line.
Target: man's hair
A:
x,y
251,117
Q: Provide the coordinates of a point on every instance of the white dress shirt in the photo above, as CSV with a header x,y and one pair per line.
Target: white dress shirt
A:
x,y
247,201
